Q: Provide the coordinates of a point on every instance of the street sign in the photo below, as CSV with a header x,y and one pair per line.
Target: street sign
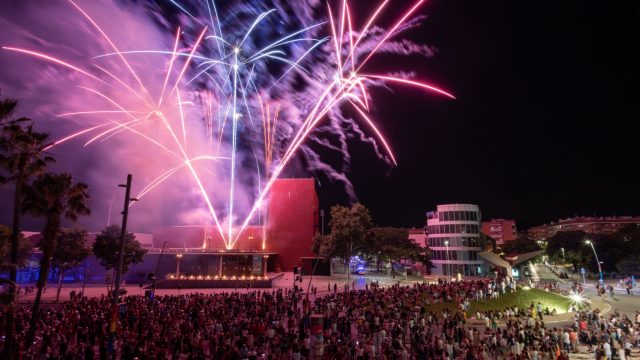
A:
x,y
582,270
573,268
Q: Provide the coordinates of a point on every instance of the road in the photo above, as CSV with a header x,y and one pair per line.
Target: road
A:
x,y
625,304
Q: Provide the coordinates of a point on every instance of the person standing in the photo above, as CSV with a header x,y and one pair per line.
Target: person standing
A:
x,y
540,310
566,341
607,349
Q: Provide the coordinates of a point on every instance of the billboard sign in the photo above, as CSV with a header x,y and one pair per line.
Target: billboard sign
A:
x,y
257,265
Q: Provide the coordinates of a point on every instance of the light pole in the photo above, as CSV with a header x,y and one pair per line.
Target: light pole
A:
x,y
598,261
250,238
179,256
113,198
266,258
84,279
446,243
155,280
123,235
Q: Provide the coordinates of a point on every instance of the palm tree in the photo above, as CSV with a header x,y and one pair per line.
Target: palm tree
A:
x,y
52,196
23,156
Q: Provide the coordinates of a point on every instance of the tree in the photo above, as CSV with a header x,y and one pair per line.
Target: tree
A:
x,y
577,258
629,237
24,253
349,229
22,156
70,252
25,249
630,264
107,246
520,245
609,248
322,246
394,245
52,196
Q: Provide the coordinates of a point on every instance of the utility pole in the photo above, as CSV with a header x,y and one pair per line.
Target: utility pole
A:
x,y
116,291
155,280
113,198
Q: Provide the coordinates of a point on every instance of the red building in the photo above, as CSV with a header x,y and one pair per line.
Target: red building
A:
x,y
281,245
500,229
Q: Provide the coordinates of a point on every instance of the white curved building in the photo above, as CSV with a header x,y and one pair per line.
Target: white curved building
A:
x,y
454,236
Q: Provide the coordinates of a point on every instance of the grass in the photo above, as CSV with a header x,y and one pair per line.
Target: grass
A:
x,y
522,298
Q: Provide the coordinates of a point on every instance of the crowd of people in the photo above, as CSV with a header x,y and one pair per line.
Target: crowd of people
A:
x,y
374,323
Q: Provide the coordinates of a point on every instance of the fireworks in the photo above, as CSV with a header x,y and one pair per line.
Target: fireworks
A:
x,y
234,85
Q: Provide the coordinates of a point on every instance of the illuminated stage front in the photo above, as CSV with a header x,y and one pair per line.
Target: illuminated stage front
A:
x,y
282,244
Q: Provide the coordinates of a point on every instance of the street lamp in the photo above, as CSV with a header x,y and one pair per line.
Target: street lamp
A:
x,y
250,238
446,243
588,242
84,279
155,278
116,291
564,262
179,256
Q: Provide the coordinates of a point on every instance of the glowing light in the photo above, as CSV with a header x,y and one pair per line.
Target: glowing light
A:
x,y
236,76
52,59
377,132
410,82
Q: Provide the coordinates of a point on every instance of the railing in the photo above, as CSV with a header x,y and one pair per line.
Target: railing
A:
x,y
201,250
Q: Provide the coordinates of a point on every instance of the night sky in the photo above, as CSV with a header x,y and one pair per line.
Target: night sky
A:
x,y
544,125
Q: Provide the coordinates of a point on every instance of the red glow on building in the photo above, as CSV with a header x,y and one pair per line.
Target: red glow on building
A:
x,y
292,222
500,229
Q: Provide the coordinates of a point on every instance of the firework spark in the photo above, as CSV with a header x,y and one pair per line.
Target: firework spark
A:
x,y
232,82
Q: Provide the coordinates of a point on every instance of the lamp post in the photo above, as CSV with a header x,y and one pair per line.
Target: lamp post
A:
x,y
84,279
250,238
123,235
266,258
179,256
155,280
564,262
598,261
446,243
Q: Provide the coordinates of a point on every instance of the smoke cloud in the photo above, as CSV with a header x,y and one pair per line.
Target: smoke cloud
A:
x,y
149,148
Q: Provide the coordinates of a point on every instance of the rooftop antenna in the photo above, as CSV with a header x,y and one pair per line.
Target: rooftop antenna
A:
x,y
113,198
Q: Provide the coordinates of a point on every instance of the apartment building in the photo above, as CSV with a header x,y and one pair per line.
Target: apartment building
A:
x,y
500,229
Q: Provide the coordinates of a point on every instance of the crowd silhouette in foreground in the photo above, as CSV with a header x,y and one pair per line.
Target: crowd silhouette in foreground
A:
x,y
375,323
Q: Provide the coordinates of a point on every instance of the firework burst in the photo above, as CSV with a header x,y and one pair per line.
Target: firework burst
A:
x,y
237,97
